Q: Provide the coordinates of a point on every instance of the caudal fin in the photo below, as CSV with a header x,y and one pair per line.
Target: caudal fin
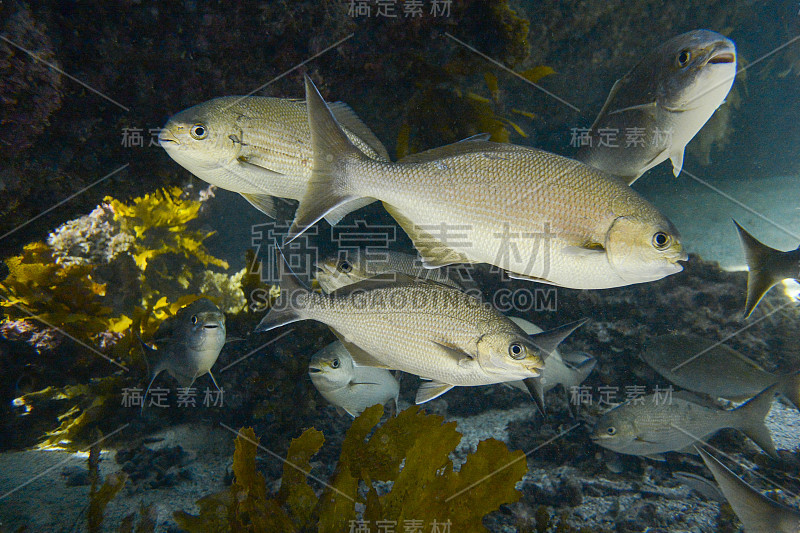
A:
x,y
291,302
751,420
756,511
789,386
762,272
327,190
547,341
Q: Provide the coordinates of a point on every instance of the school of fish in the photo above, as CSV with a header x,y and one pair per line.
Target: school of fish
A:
x,y
537,216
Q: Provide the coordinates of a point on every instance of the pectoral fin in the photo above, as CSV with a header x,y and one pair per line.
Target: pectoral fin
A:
x,y
460,356
430,390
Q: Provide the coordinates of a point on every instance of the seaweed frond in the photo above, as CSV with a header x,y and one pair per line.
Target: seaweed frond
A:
x,y
410,452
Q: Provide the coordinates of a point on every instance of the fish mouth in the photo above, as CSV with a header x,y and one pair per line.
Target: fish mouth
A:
x,y
165,136
722,58
314,370
210,326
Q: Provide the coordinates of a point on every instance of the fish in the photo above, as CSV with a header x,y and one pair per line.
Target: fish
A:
x,y
539,216
350,388
445,336
568,371
758,513
766,267
188,344
661,104
259,147
351,266
650,428
707,367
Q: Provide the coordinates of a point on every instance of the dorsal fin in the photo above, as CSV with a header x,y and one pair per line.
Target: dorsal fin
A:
x,y
345,115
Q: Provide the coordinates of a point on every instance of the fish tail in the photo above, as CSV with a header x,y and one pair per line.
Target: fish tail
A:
x,y
328,189
761,265
583,370
789,386
547,341
751,419
744,499
291,303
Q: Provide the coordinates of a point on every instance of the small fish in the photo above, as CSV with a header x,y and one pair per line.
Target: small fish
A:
x,y
660,105
766,267
257,146
357,265
649,427
758,513
349,387
438,333
568,371
706,367
188,344
537,215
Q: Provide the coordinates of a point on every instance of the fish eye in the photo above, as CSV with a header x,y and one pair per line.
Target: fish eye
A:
x,y
661,240
194,319
335,363
611,430
198,132
516,350
683,58
345,266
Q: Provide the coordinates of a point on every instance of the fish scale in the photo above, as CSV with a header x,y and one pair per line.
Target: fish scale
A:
x,y
434,331
654,425
384,334
256,146
600,233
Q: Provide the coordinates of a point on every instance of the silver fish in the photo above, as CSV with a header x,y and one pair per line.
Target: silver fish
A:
x,y
188,344
758,513
349,387
706,367
650,428
660,105
427,329
766,267
357,265
257,146
537,215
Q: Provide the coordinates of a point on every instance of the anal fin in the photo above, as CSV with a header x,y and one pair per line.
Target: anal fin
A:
x,y
263,202
433,252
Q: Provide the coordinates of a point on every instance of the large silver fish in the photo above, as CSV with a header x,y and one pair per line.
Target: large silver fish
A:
x,y
651,426
188,343
766,267
438,333
758,513
653,111
357,265
257,146
349,387
706,367
537,215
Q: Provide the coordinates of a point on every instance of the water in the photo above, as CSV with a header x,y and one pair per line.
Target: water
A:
x,y
96,250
